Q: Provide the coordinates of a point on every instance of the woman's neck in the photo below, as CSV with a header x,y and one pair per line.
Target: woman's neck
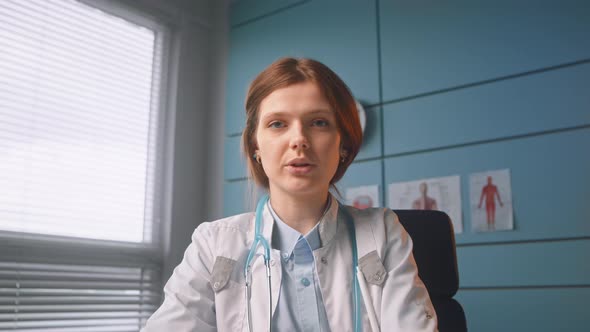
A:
x,y
300,213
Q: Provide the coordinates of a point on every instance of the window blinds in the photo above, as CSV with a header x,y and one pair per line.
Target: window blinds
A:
x,y
80,151
79,111
56,297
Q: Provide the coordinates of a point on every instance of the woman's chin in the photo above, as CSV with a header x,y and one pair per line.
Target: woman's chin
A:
x,y
305,188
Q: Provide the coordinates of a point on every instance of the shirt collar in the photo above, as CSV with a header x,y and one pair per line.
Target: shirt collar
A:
x,y
285,238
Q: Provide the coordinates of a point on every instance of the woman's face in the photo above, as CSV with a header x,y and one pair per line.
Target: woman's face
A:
x,y
298,140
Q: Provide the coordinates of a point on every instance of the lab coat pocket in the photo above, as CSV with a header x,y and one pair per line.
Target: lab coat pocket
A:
x,y
222,271
372,268
230,293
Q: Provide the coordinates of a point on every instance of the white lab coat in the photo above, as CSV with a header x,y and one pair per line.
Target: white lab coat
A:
x,y
207,290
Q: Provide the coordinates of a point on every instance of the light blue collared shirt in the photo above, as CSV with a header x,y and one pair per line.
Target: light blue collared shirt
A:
x,y
300,306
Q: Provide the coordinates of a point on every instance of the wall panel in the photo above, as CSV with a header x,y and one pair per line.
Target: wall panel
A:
x,y
552,263
519,310
429,45
541,102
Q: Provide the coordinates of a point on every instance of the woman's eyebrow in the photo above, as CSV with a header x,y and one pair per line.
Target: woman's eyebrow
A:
x,y
272,114
288,113
320,111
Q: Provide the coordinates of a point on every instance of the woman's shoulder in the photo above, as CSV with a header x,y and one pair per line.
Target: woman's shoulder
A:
x,y
377,216
238,222
225,237
383,223
224,229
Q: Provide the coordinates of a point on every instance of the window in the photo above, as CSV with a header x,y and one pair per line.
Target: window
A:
x,y
81,140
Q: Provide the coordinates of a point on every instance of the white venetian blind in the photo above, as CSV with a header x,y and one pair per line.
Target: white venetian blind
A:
x,y
79,107
80,155
76,298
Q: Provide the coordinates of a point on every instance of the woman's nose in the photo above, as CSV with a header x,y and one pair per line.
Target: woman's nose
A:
x,y
299,138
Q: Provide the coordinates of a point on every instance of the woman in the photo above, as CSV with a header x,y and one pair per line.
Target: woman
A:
x,y
302,133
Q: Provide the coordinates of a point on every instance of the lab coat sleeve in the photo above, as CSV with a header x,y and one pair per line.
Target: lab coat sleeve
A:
x,y
189,299
405,305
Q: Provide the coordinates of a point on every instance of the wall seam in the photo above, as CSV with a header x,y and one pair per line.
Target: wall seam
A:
x,y
489,141
524,241
486,82
381,122
271,13
521,287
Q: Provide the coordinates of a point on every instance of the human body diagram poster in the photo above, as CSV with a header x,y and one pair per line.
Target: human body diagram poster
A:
x,y
443,194
490,196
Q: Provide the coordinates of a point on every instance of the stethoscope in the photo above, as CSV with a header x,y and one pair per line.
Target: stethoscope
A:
x,y
260,240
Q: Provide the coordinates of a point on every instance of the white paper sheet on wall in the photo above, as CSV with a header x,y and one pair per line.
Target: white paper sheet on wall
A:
x,y
443,194
363,197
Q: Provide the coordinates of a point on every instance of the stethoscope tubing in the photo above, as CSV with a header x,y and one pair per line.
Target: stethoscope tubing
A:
x,y
358,292
258,239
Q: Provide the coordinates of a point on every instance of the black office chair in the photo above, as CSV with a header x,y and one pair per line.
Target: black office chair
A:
x,y
434,250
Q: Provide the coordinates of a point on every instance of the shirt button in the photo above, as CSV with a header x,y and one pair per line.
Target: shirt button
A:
x,y
286,256
216,285
305,282
324,260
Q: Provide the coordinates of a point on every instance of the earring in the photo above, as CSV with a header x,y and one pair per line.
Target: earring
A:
x,y
256,157
343,156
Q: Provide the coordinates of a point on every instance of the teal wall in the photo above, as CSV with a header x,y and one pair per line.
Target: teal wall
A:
x,y
456,87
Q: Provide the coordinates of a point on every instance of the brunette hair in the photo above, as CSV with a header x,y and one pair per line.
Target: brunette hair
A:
x,y
288,71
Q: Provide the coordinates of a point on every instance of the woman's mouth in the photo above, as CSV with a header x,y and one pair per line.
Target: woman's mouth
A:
x,y
299,168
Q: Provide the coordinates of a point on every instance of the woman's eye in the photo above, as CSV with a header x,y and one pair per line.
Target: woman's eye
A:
x,y
276,124
320,123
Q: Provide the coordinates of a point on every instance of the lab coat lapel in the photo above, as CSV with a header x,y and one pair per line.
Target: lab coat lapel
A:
x,y
334,266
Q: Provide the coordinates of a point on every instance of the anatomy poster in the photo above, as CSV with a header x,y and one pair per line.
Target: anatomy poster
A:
x,y
490,198
363,197
442,194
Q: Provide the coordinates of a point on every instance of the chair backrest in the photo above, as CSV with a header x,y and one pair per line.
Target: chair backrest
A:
x,y
434,250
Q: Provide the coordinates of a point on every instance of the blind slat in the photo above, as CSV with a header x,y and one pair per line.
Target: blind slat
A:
x,y
74,322
74,316
53,308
